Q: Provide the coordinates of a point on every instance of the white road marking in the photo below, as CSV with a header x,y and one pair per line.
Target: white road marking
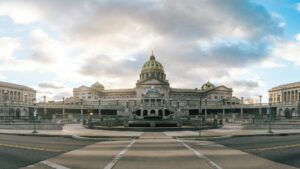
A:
x,y
53,165
119,155
198,154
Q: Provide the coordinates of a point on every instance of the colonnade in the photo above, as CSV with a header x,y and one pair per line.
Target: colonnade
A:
x,y
16,96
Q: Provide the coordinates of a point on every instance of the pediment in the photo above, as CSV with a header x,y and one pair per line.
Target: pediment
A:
x,y
223,88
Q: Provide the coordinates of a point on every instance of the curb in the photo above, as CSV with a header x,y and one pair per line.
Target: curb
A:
x,y
37,134
266,134
103,138
232,136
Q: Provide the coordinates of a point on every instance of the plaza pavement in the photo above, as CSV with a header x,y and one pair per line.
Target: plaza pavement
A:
x,y
156,150
79,130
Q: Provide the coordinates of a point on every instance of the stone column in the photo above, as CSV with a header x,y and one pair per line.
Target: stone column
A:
x,y
99,111
205,113
242,112
142,113
223,114
260,111
8,95
63,113
81,113
45,111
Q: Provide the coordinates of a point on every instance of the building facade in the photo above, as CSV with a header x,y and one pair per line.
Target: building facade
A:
x,y
15,100
287,99
153,96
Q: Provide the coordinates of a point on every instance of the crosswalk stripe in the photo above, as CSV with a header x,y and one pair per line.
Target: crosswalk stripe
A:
x,y
53,165
119,155
199,155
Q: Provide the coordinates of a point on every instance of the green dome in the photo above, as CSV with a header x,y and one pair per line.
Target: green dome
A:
x,y
152,64
152,69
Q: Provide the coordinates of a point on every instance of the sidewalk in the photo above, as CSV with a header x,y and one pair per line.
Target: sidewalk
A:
x,y
232,130
70,130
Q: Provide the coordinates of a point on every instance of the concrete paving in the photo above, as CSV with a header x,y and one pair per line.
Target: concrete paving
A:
x,y
90,157
157,150
19,151
229,158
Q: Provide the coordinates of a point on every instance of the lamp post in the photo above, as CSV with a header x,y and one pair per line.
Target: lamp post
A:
x,y
200,112
81,110
34,116
260,96
6,101
91,120
63,110
269,112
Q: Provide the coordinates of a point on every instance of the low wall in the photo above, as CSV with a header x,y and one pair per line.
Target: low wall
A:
x,y
29,126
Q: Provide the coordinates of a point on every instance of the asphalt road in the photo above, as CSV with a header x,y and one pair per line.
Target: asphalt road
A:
x,y
20,151
282,149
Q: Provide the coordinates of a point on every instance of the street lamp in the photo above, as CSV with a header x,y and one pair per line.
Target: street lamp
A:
x,y
260,96
269,112
34,116
90,125
6,101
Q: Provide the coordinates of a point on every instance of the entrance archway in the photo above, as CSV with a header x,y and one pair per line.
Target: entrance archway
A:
x,y
293,112
145,113
160,113
287,113
152,112
280,112
18,113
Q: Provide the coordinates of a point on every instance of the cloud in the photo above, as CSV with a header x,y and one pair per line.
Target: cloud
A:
x,y
288,50
298,37
21,12
8,46
51,85
298,7
53,91
109,40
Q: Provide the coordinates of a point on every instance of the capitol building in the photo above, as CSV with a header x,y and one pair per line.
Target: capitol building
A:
x,y
153,96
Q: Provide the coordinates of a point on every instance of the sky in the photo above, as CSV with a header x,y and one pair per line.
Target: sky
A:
x,y
55,46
